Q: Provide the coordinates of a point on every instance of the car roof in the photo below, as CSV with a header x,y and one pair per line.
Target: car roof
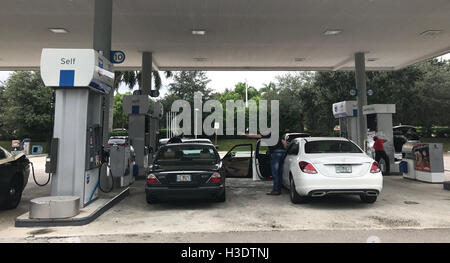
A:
x,y
196,140
309,139
189,143
403,126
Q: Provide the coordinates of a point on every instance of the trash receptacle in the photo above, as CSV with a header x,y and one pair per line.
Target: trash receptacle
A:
x,y
37,149
429,162
408,159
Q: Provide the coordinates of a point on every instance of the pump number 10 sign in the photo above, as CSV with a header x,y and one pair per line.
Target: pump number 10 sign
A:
x,y
117,56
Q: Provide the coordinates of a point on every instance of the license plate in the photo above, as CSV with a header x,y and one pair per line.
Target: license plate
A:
x,y
183,177
343,168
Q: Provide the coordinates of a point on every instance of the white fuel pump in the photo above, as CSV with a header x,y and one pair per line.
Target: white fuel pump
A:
x,y
143,126
379,123
81,79
347,113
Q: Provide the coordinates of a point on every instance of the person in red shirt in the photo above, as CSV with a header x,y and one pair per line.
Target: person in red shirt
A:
x,y
378,146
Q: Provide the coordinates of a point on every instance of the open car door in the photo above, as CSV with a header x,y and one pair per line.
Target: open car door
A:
x,y
237,162
261,162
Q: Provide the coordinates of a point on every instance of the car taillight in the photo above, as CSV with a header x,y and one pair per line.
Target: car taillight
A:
x,y
152,179
307,167
375,168
215,178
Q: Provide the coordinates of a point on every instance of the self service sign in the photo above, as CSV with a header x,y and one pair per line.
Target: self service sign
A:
x,y
75,68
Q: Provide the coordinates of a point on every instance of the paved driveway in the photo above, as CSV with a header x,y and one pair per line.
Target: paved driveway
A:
x,y
404,205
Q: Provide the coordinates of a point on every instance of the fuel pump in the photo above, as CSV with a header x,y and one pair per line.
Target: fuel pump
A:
x,y
347,113
143,128
82,78
137,106
379,123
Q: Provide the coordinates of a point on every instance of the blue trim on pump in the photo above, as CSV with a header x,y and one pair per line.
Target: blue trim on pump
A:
x,y
135,109
135,170
93,192
66,78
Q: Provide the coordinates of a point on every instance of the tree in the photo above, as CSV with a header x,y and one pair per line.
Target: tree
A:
x,y
131,78
186,83
120,118
293,100
27,107
433,95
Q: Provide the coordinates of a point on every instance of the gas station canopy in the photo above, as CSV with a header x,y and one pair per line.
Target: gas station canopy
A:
x,y
234,34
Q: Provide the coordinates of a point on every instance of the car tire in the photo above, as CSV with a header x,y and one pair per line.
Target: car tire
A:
x,y
368,199
220,198
13,193
295,197
151,199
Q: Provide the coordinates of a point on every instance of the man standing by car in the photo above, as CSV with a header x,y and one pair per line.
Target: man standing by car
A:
x,y
276,152
176,138
378,146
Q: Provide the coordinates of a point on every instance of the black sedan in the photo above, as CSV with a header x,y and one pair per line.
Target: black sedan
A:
x,y
14,172
186,170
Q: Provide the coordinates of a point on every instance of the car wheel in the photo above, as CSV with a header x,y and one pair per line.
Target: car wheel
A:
x,y
152,199
368,199
13,193
295,197
220,198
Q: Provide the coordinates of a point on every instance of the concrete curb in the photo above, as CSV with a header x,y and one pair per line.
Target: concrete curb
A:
x,y
26,222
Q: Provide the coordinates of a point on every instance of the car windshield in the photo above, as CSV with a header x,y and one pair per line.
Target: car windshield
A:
x,y
293,136
331,146
179,154
4,153
117,140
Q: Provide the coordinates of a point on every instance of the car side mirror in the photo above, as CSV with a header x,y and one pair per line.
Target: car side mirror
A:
x,y
217,147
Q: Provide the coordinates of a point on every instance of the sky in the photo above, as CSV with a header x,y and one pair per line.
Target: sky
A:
x,y
220,80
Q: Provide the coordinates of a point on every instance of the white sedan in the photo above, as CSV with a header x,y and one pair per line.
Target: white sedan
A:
x,y
319,166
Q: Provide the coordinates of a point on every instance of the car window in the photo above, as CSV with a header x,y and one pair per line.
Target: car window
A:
x,y
4,154
263,148
293,148
182,154
331,146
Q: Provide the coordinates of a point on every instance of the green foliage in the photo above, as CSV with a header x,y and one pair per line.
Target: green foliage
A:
x,y
120,119
26,107
420,92
119,133
131,78
186,83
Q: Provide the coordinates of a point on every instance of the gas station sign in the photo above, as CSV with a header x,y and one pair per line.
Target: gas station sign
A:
x,y
76,68
117,56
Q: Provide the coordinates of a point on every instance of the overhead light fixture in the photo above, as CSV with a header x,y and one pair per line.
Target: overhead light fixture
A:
x,y
199,32
431,32
372,59
200,59
59,30
332,32
299,59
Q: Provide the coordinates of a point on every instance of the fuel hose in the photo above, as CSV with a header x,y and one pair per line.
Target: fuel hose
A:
x,y
99,179
34,177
